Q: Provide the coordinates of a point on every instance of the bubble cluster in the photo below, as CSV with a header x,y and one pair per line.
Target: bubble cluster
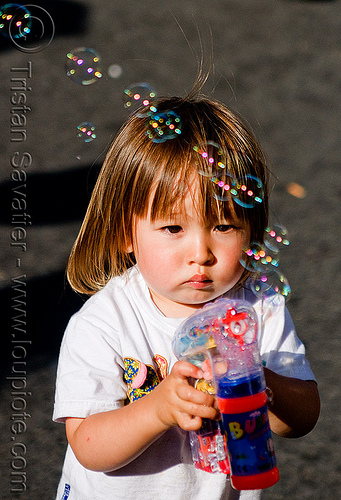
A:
x,y
256,257
83,66
262,259
86,131
162,126
138,95
15,20
247,191
140,98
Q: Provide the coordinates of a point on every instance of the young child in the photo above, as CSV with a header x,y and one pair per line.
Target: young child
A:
x,y
159,240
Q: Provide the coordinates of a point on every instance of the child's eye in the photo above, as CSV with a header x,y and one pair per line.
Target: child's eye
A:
x,y
172,229
224,228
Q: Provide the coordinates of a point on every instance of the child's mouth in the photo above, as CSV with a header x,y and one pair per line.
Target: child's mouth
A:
x,y
199,281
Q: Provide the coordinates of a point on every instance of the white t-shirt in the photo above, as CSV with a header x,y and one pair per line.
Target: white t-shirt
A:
x,y
103,344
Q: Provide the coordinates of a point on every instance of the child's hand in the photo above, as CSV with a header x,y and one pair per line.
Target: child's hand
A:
x,y
178,403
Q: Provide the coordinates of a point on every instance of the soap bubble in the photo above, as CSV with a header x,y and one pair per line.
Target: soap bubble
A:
x,y
224,184
248,191
211,163
256,257
274,283
275,237
15,20
86,131
138,94
83,66
163,126
211,160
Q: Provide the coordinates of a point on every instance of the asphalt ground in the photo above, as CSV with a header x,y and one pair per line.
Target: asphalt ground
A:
x,y
277,63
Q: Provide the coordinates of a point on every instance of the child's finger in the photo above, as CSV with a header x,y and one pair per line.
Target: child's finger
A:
x,y
202,411
188,393
192,415
207,369
189,422
184,370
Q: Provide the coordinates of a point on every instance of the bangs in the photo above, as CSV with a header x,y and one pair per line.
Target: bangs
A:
x,y
177,179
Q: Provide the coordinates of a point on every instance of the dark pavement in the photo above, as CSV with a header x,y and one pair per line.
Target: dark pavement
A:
x,y
278,63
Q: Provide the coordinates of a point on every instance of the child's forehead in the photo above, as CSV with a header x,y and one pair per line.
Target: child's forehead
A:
x,y
176,191
188,206
173,199
190,201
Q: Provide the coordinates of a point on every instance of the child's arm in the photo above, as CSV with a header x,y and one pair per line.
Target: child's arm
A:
x,y
295,405
109,440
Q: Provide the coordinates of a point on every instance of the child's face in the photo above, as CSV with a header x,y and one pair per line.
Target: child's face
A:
x,y
186,262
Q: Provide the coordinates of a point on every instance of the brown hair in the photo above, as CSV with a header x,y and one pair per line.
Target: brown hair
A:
x,y
135,166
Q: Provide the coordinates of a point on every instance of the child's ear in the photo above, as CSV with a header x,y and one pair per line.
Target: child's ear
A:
x,y
128,246
129,240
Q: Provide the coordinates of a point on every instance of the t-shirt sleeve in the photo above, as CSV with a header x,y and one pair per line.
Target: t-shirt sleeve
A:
x,y
281,349
90,372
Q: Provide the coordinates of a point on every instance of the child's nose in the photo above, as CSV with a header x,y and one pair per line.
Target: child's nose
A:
x,y
200,251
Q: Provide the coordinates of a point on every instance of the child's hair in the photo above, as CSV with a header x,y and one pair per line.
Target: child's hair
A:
x,y
136,168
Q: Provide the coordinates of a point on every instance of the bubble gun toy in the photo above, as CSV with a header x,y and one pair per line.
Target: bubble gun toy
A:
x,y
224,334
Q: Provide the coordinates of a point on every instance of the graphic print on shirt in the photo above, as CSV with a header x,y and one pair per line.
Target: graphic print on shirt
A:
x,y
141,378
66,493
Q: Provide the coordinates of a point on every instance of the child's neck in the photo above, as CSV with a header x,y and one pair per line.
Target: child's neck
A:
x,y
172,309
